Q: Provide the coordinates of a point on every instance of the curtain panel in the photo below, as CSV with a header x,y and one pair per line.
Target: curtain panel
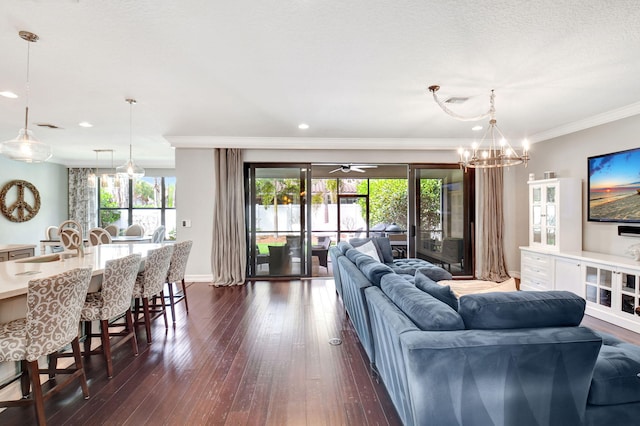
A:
x,y
82,199
492,263
229,245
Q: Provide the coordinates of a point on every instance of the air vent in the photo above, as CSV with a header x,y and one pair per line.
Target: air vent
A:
x,y
456,100
49,125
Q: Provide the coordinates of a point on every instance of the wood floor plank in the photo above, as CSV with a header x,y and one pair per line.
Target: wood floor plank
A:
x,y
257,354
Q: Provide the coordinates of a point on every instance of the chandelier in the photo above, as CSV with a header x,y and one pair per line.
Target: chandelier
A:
x,y
493,150
107,176
25,147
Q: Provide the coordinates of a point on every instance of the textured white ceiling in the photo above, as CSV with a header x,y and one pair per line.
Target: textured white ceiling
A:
x,y
204,71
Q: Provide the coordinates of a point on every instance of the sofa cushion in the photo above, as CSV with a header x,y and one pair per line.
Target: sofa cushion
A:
x,y
369,249
411,265
372,269
353,255
410,278
615,376
442,293
344,246
436,273
382,244
427,312
521,309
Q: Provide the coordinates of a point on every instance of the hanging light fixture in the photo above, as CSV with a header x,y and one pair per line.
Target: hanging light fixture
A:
x,y
107,175
493,150
92,178
25,147
130,169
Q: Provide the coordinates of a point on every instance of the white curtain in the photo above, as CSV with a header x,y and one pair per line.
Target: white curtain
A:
x,y
229,249
82,199
492,262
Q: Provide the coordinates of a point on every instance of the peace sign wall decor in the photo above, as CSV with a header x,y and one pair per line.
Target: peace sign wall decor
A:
x,y
25,206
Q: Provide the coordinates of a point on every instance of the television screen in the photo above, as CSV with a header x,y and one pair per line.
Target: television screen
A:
x,y
614,187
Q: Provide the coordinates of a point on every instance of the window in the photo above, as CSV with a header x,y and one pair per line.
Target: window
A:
x,y
149,202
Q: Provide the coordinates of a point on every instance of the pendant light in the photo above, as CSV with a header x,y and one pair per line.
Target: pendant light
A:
x,y
25,147
92,177
130,169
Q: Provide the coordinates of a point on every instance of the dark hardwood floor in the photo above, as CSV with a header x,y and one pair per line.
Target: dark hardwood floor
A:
x,y
258,354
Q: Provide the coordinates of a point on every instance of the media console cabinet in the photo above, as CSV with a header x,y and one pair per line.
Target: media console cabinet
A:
x,y
610,284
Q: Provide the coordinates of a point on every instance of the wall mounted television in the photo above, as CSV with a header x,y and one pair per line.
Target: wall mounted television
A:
x,y
614,187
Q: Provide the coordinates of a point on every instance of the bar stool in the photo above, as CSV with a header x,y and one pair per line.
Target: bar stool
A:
x,y
53,311
99,236
113,301
112,230
176,273
134,230
149,284
70,233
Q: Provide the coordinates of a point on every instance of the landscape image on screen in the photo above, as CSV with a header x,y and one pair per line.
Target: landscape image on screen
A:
x,y
614,187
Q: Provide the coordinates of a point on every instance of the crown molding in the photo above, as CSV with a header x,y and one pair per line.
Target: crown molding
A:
x,y
316,143
587,123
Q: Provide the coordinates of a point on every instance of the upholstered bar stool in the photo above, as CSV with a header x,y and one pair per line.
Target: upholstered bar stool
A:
x,y
112,230
149,284
53,311
70,233
176,273
99,236
158,234
134,230
112,302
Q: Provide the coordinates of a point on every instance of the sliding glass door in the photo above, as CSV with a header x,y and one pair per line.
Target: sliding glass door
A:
x,y
443,216
277,217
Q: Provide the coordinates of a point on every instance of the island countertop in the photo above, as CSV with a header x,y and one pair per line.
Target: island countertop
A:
x,y
15,274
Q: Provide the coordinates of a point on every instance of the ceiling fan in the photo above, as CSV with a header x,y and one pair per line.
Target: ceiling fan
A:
x,y
346,168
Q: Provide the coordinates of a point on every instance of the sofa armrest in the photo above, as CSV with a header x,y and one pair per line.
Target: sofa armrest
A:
x,y
502,377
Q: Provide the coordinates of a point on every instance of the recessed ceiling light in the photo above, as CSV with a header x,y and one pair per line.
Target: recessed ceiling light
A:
x,y
303,126
8,94
476,128
85,124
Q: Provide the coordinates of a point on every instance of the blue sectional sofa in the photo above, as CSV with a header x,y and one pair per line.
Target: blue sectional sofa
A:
x,y
517,358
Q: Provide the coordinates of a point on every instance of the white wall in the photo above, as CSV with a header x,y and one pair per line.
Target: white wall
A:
x,y
567,157
51,181
194,202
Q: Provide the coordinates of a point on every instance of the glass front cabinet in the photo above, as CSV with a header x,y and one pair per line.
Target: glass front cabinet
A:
x,y
612,293
555,214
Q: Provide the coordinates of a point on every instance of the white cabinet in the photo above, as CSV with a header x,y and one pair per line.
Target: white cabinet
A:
x,y
566,275
15,251
610,284
535,271
612,293
555,214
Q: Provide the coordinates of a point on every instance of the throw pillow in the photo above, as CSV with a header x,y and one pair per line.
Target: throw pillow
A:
x,y
424,310
369,249
382,245
436,273
442,293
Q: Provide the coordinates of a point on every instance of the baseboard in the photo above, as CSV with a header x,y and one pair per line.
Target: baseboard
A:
x,y
199,278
